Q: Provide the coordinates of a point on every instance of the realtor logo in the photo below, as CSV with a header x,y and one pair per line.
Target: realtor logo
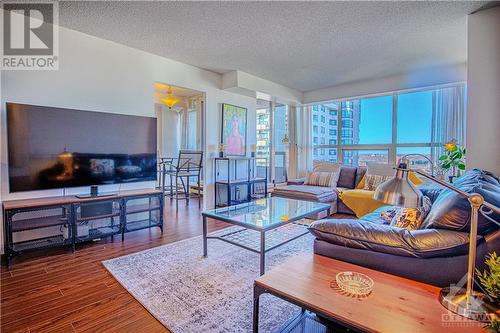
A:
x,y
30,36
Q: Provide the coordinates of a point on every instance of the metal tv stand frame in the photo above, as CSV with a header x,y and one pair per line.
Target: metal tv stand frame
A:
x,y
41,223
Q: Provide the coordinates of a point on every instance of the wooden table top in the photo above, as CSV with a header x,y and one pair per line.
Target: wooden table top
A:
x,y
68,199
395,304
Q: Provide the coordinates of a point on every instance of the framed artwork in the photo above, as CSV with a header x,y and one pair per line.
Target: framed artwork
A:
x,y
234,130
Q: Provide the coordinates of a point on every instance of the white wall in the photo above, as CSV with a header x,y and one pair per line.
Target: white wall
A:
x,y
417,79
483,98
251,85
96,74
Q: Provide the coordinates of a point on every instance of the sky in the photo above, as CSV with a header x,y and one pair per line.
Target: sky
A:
x,y
414,118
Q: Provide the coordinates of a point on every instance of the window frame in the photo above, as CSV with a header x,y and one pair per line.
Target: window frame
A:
x,y
391,147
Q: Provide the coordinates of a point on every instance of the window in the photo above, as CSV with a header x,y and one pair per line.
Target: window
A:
x,y
347,123
382,129
271,154
416,162
375,120
315,129
346,133
362,157
315,140
414,117
322,119
315,118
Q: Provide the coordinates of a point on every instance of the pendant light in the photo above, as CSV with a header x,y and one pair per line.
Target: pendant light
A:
x,y
170,100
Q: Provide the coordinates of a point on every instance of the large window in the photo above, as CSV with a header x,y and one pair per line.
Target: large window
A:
x,y
382,129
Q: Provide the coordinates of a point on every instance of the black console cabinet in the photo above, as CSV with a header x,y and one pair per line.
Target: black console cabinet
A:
x,y
66,221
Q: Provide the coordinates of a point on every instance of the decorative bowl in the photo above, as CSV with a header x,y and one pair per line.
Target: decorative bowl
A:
x,y
354,284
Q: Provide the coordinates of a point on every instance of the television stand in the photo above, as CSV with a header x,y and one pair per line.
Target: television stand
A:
x,y
69,220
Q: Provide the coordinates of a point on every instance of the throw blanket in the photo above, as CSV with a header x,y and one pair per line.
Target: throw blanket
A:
x,y
360,201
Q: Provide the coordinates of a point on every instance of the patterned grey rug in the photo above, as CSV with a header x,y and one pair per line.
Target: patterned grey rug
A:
x,y
188,293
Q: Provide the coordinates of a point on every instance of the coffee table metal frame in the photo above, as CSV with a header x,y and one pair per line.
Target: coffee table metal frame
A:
x,y
262,230
259,290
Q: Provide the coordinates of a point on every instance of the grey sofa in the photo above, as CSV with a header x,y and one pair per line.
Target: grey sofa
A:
x,y
436,253
349,178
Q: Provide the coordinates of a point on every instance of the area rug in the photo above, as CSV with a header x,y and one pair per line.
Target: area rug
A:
x,y
188,293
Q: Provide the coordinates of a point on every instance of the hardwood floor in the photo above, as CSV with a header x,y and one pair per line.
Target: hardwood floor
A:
x,y
61,291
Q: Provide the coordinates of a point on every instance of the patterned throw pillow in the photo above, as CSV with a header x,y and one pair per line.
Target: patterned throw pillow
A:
x,y
411,218
388,215
373,181
322,178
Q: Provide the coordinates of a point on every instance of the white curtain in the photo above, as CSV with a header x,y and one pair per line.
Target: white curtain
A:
x,y
292,148
300,122
449,116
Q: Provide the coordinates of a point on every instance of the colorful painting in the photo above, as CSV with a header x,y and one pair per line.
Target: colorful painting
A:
x,y
234,130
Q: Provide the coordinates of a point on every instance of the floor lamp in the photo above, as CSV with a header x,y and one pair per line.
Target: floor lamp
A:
x,y
399,191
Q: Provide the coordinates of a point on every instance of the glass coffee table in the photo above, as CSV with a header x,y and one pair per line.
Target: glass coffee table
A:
x,y
258,218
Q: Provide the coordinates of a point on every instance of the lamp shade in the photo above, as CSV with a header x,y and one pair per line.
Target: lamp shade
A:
x,y
399,191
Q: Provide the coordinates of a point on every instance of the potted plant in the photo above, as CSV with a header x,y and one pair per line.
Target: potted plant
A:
x,y
490,281
453,159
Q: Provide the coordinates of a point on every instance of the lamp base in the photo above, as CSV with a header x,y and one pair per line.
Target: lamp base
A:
x,y
455,300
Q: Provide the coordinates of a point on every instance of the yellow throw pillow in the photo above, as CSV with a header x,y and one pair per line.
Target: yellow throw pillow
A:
x,y
414,179
361,184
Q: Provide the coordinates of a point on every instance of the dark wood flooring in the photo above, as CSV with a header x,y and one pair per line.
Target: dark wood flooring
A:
x,y
60,291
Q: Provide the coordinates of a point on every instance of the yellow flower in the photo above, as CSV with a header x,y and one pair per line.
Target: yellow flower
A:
x,y
449,146
284,217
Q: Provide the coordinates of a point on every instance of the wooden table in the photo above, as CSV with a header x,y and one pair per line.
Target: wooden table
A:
x,y
395,304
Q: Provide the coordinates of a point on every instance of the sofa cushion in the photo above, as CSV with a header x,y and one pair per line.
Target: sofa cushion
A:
x,y
452,211
361,234
306,192
373,181
347,177
322,178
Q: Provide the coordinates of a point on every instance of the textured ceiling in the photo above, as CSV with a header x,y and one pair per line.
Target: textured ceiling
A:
x,y
302,45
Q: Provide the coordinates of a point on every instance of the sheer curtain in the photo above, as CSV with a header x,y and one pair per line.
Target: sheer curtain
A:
x,y
292,148
300,122
448,123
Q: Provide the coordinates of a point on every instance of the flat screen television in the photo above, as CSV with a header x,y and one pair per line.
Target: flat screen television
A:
x,y
52,147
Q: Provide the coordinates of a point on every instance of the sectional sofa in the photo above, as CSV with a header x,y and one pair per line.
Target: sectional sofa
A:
x,y
349,179
436,253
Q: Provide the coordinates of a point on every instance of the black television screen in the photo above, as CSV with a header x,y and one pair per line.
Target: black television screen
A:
x,y
54,148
